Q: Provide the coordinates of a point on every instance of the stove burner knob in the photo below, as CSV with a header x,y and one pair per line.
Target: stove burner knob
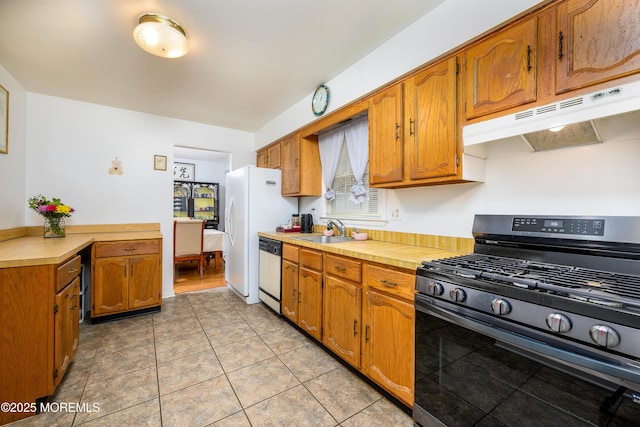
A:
x,y
500,306
457,295
604,336
558,322
435,289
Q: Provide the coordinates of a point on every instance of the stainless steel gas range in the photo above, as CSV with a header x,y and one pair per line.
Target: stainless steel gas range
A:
x,y
540,326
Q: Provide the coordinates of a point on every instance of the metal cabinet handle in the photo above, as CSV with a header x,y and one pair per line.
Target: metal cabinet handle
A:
x,y
366,333
411,122
129,249
397,131
340,268
355,325
528,58
388,283
73,270
560,40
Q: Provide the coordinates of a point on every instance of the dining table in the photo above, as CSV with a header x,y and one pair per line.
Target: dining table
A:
x,y
213,246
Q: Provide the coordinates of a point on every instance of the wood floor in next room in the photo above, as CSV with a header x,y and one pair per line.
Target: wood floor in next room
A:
x,y
209,359
187,278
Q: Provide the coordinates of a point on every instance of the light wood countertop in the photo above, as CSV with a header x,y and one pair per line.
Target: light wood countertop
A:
x,y
395,254
36,250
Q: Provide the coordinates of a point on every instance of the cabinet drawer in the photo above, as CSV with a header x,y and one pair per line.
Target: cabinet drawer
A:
x,y
397,282
127,247
311,259
290,252
67,271
343,267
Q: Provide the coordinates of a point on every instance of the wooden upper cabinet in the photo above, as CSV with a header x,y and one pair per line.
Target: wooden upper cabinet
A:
x,y
500,70
300,165
598,40
269,157
262,158
430,122
273,155
385,136
290,152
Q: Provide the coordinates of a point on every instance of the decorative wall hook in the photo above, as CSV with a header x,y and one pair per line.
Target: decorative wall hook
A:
x,y
116,167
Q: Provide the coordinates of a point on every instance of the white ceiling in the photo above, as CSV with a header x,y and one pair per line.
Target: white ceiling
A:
x,y
249,59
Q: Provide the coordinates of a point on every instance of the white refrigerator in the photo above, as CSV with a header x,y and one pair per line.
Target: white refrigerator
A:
x,y
253,203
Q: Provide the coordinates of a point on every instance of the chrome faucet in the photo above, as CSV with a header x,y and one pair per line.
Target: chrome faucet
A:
x,y
338,224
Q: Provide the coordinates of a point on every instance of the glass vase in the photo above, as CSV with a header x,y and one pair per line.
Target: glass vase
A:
x,y
54,227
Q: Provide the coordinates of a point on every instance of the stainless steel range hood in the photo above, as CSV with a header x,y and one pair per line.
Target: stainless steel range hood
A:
x,y
579,116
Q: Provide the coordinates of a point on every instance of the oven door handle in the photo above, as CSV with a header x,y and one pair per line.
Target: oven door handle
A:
x,y
537,347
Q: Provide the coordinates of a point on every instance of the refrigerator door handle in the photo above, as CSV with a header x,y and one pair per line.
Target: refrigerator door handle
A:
x,y
229,222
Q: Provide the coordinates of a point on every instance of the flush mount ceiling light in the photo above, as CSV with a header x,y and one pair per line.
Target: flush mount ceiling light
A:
x,y
160,36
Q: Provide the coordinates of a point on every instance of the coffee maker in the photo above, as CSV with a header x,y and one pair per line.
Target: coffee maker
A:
x,y
306,223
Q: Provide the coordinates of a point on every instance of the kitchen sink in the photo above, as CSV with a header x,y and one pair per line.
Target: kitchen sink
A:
x,y
323,239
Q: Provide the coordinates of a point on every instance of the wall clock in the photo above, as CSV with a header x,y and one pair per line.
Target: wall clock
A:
x,y
320,100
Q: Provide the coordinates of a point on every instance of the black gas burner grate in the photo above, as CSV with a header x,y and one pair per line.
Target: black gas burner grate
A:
x,y
596,286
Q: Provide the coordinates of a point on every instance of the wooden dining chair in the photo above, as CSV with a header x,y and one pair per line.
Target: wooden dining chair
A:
x,y
187,243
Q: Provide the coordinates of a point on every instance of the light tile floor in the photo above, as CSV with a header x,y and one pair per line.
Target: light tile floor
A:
x,y
208,359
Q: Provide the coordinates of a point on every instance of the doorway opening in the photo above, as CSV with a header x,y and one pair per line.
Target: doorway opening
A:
x,y
206,167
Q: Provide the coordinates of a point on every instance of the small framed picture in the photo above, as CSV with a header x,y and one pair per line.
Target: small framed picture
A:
x,y
4,120
184,171
160,163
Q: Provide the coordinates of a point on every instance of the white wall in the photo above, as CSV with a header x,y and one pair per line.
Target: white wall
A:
x,y
70,148
12,165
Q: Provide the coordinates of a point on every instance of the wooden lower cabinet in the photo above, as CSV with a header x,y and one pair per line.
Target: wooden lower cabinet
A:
x,y
342,319
67,327
362,312
126,276
302,288
39,314
389,330
289,299
388,350
310,292
343,307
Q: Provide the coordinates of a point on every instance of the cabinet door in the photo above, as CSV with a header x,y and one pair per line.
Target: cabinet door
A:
x,y
310,297
598,40
262,159
430,122
289,297
501,70
110,290
144,281
290,163
273,156
342,319
66,329
389,348
385,136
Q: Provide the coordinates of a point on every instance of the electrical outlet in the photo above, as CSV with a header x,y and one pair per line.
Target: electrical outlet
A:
x,y
395,214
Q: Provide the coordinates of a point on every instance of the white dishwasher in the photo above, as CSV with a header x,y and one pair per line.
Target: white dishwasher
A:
x,y
269,279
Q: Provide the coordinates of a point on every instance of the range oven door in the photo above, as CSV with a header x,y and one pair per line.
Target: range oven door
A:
x,y
471,372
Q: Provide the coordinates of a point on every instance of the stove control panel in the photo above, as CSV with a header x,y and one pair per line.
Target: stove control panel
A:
x,y
583,227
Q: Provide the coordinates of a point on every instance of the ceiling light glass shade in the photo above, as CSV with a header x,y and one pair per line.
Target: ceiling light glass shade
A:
x,y
160,36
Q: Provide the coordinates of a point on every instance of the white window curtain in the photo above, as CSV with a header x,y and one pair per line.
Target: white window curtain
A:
x,y
329,145
357,137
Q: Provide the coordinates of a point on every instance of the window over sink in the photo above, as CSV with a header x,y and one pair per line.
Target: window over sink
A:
x,y
342,149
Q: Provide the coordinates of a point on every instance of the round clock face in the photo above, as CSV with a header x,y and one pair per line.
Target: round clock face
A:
x,y
320,100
